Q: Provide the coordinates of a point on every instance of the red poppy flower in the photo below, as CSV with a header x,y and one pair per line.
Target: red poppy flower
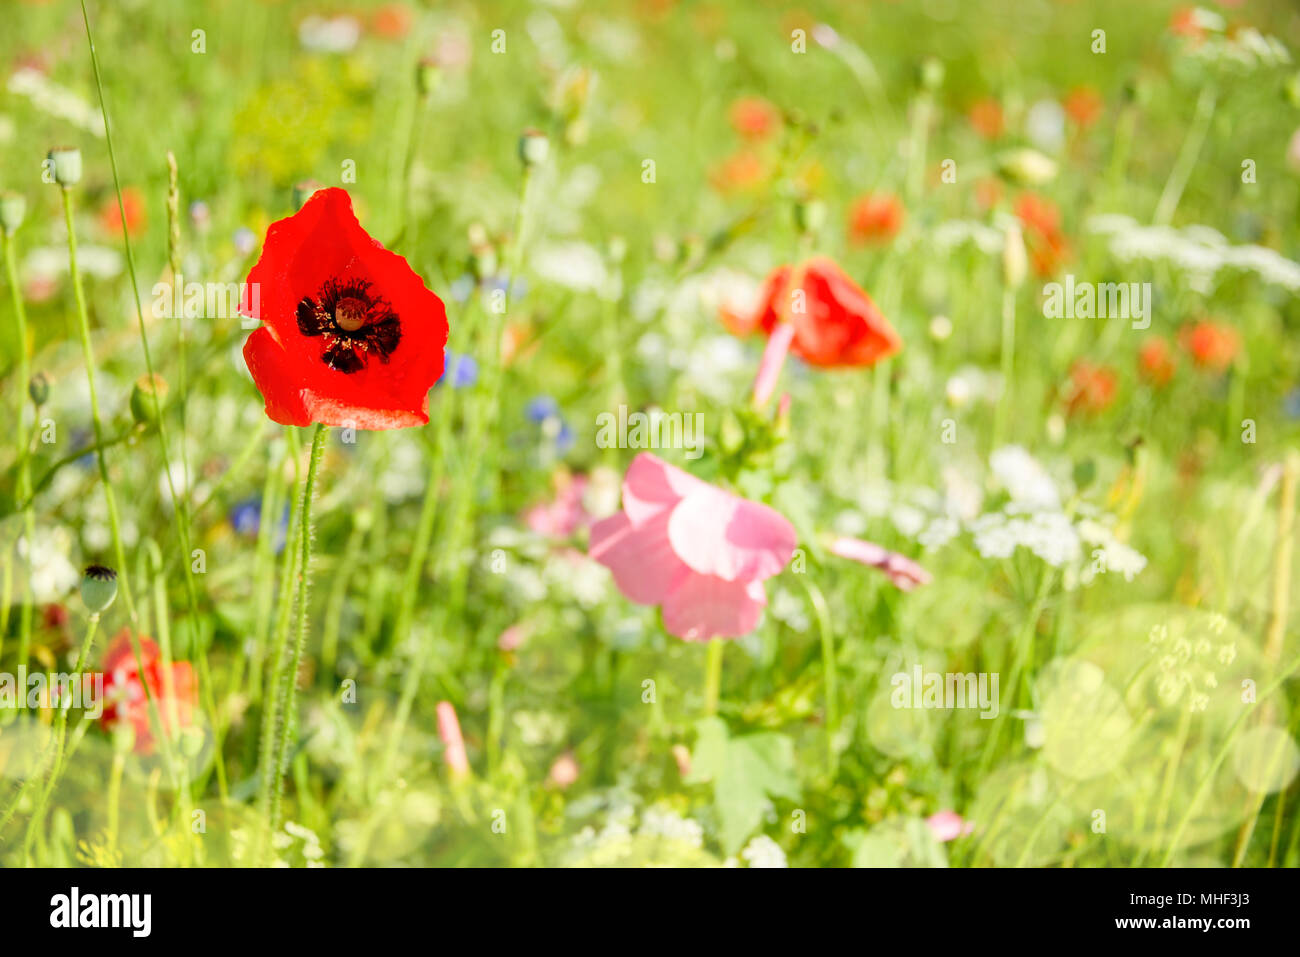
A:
x,y
1046,242
176,694
110,216
835,322
738,172
754,118
1092,388
1212,345
1083,104
986,117
350,335
1156,361
875,218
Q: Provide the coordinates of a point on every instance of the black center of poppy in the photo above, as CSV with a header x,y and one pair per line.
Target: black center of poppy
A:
x,y
353,321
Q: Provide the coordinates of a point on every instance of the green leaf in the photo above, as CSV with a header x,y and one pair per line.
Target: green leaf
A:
x,y
746,772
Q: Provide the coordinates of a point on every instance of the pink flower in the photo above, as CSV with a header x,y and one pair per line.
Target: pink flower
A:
x,y
947,826
698,552
453,743
564,771
564,515
902,571
513,637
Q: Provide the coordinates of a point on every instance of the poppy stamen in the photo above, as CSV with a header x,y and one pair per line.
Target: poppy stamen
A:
x,y
352,323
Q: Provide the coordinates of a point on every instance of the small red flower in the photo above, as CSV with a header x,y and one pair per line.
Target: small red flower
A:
x,y
1092,388
1157,361
986,117
1046,242
739,172
350,335
176,695
110,215
835,322
1083,104
392,21
875,218
1212,345
754,118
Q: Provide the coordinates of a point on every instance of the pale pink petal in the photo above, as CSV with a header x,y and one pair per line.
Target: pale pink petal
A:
x,y
640,557
902,571
700,607
652,485
947,826
716,533
769,369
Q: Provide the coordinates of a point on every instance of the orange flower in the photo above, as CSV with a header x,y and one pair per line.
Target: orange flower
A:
x,y
1157,361
1212,345
1047,245
1092,388
875,218
110,215
986,117
1186,23
738,172
392,21
754,118
1083,104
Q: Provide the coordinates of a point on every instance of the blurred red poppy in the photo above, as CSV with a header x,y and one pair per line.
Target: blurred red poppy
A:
x,y
1157,361
1045,240
754,118
875,218
1091,388
986,117
738,172
110,215
350,334
175,692
835,322
1084,105
1212,345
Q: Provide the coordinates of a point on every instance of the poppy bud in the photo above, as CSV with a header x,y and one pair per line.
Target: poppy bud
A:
x,y
428,75
67,165
809,216
98,588
1015,261
13,207
39,388
1026,167
931,74
147,397
534,147
303,191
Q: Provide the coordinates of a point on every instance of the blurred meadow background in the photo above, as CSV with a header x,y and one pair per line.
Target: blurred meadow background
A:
x,y
1104,511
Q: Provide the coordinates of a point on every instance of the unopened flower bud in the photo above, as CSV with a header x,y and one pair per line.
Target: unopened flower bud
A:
x,y
428,75
98,588
66,161
534,147
147,397
39,388
809,216
1026,167
13,208
931,74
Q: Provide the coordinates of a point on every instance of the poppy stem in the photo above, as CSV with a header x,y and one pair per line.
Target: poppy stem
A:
x,y
1008,363
288,724
829,677
1186,161
60,739
712,676
24,453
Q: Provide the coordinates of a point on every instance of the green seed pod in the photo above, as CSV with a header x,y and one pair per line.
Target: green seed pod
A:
x,y
67,165
534,148
809,216
98,588
931,74
428,76
147,397
39,388
13,209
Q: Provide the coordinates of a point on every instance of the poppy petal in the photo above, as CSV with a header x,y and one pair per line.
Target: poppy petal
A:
x,y
652,485
640,557
700,607
716,533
